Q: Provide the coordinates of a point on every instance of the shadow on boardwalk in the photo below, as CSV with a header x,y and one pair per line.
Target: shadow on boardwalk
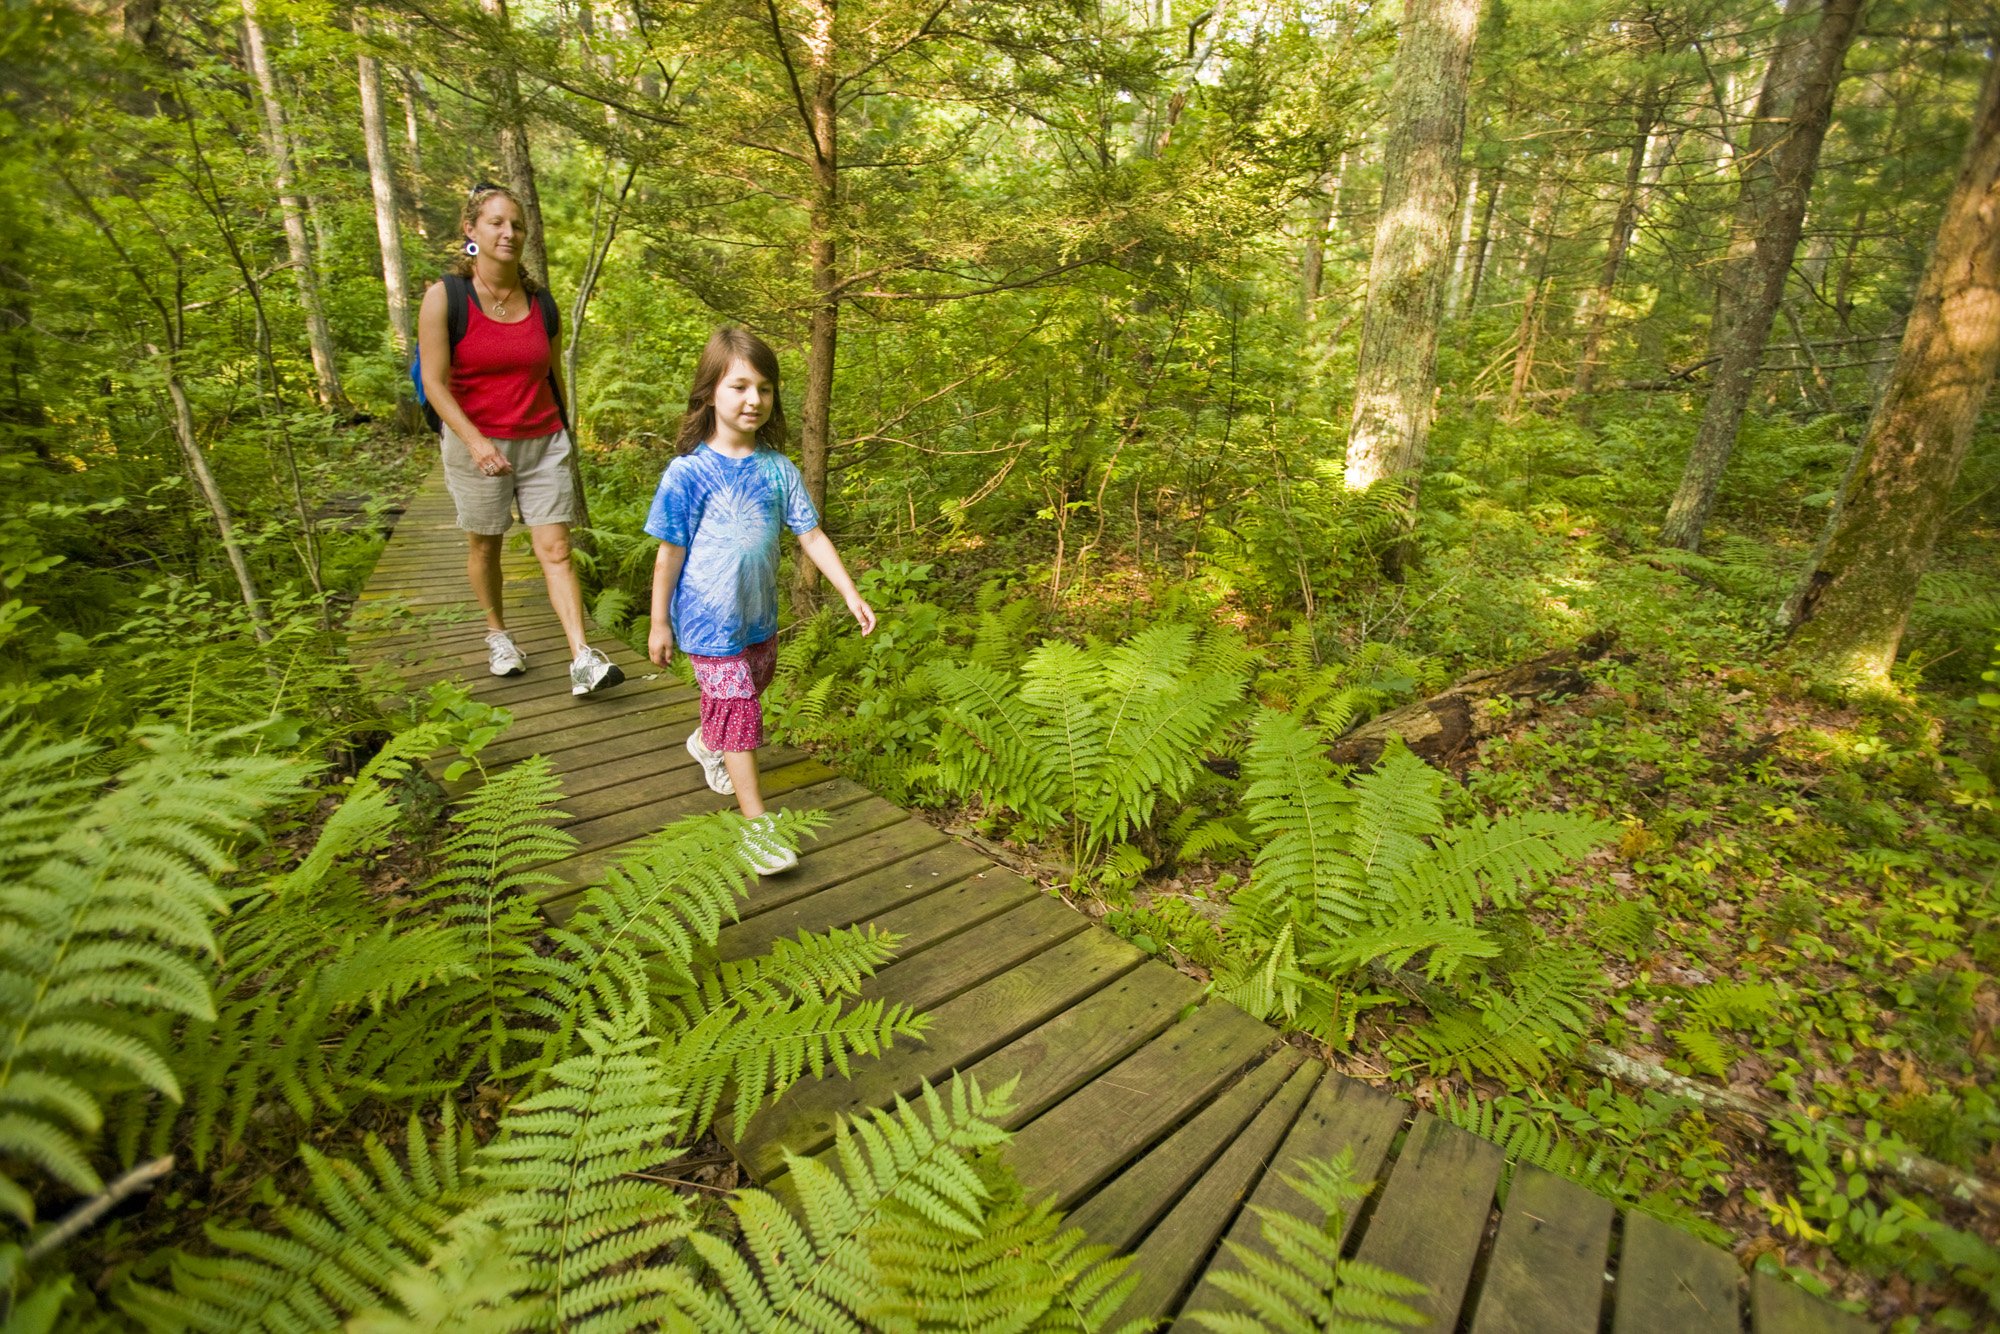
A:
x,y
1151,1116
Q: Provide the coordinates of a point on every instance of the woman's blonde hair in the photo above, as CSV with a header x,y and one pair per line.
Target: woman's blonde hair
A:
x,y
730,343
483,194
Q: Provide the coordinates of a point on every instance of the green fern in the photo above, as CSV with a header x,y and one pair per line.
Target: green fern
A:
x,y
1087,742
1302,1282
107,907
904,1230
564,1182
1524,1133
1365,875
370,1221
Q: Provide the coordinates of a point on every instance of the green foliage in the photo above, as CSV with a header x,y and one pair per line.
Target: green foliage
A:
x,y
1300,1280
1365,875
109,899
903,1230
1088,741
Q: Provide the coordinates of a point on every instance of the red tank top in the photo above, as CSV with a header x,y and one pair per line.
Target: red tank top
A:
x,y
500,375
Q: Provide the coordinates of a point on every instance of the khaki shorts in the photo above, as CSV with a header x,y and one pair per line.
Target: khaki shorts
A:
x,y
541,483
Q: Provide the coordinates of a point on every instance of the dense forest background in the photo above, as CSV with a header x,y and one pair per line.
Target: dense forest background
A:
x,y
1071,299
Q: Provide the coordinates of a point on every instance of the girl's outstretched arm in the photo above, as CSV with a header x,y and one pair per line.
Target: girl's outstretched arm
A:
x,y
819,548
666,574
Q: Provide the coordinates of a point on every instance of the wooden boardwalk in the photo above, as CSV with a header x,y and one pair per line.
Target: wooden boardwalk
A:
x,y
1152,1117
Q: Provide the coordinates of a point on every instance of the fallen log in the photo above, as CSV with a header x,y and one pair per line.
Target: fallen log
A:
x,y
1445,728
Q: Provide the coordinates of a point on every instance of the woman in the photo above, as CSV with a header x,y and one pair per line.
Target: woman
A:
x,y
503,437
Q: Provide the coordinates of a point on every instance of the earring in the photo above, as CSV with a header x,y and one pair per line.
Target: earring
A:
x,y
472,248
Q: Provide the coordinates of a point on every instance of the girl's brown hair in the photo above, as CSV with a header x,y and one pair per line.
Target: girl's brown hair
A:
x,y
483,194
730,343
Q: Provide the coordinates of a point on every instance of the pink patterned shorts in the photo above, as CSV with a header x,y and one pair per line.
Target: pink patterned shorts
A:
x,y
731,717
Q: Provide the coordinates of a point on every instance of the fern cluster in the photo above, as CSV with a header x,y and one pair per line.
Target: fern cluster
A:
x,y
1086,742
1360,879
1301,1280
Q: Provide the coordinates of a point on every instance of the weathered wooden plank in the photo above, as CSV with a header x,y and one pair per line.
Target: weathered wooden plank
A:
x,y
1110,1121
1546,1273
866,890
1084,1041
958,963
551,736
1345,1114
1672,1283
1433,1214
585,866
1124,1209
637,757
1176,1251
651,816
1778,1306
962,1030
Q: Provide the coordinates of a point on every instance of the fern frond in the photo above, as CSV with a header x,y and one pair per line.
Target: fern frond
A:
x,y
562,1187
1302,1282
1546,1008
331,1260
1305,818
110,905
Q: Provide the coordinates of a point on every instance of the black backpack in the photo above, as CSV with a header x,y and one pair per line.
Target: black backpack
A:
x,y
458,297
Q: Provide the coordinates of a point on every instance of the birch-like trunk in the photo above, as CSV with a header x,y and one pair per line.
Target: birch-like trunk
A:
x,y
1461,253
1412,255
1597,310
211,494
388,232
1849,613
291,205
411,86
1483,246
1793,109
515,159
823,326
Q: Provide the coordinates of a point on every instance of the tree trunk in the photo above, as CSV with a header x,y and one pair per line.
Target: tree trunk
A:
x,y
823,327
514,156
1312,270
1598,309
382,184
1483,244
1793,109
1849,613
603,232
291,205
412,89
1412,256
1461,253
211,494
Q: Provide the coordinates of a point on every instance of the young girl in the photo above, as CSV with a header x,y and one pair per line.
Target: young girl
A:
x,y
717,514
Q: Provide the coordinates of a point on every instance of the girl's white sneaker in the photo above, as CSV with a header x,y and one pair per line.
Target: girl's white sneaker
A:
x,y
765,851
712,767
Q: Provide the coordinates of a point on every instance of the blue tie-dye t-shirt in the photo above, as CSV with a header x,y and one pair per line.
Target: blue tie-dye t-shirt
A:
x,y
726,513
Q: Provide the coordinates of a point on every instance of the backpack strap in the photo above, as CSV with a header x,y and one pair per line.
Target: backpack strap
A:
x,y
458,298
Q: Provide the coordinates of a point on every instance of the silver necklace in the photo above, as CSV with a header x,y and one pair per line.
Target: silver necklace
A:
x,y
499,306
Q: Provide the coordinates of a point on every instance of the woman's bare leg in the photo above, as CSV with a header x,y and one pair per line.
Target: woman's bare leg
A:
x,y
565,594
482,570
742,766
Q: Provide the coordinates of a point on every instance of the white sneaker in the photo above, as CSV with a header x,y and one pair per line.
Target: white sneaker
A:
x,y
503,655
712,767
764,850
593,671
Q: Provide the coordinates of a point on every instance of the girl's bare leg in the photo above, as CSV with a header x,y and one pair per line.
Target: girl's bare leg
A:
x,y
482,569
742,766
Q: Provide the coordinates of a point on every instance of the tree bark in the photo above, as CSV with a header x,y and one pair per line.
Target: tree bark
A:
x,y
1461,253
326,372
1793,109
1484,243
1412,257
1850,610
1598,309
211,494
514,156
1312,270
411,90
823,325
382,184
